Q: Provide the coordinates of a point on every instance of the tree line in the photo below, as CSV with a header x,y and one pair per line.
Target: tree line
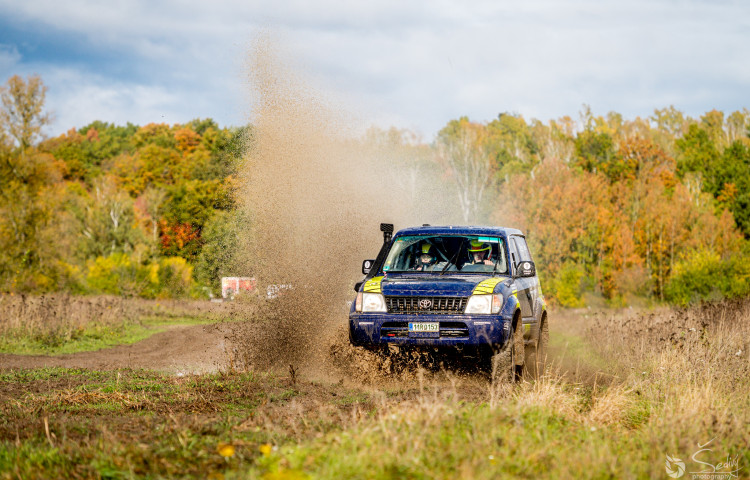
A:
x,y
614,209
128,210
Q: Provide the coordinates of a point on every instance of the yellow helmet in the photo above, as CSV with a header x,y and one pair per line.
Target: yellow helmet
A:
x,y
477,246
427,257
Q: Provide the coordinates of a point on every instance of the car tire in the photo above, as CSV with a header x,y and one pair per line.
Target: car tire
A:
x,y
503,366
535,359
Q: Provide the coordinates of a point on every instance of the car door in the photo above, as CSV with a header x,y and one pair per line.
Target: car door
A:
x,y
526,285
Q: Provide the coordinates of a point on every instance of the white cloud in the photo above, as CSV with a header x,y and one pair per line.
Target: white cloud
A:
x,y
79,99
419,63
9,57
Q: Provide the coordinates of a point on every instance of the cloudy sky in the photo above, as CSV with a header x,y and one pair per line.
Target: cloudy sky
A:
x,y
412,64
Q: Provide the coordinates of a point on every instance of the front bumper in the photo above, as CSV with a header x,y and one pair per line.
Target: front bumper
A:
x,y
455,330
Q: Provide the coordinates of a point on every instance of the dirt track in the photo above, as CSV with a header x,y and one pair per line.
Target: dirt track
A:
x,y
181,349
210,348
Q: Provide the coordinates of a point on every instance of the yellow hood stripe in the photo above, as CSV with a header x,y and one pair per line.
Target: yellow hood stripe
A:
x,y
486,287
373,285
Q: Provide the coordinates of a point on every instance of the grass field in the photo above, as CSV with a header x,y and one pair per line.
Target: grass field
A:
x,y
624,390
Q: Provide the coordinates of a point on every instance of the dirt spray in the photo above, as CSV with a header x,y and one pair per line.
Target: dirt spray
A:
x,y
315,191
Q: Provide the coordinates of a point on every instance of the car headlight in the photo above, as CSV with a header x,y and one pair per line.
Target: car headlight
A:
x,y
484,304
371,302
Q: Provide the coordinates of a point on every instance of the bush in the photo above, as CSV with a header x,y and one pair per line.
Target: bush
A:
x,y
567,286
119,274
112,274
704,275
175,277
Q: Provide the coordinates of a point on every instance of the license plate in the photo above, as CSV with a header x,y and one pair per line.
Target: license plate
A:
x,y
424,327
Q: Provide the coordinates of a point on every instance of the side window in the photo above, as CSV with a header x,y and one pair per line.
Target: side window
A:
x,y
513,251
523,249
499,254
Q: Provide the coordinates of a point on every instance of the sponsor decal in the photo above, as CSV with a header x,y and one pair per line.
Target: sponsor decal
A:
x,y
486,287
373,285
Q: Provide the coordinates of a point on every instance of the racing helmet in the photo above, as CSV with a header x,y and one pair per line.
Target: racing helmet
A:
x,y
479,247
427,253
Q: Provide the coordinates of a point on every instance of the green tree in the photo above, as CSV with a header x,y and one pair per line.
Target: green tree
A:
x,y
698,153
596,152
217,257
511,145
733,175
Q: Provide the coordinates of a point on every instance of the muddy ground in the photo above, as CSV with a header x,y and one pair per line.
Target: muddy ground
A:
x,y
224,346
181,349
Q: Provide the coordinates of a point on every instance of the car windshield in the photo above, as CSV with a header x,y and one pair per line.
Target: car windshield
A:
x,y
447,253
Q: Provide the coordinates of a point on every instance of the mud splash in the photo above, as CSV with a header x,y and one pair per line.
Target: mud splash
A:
x,y
315,192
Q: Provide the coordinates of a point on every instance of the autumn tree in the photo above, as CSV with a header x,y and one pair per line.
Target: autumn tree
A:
x,y
30,197
556,140
22,115
106,217
569,220
462,149
89,151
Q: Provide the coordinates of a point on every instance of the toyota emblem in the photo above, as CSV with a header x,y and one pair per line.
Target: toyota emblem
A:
x,y
424,304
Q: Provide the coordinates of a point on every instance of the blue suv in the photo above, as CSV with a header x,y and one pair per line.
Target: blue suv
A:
x,y
465,288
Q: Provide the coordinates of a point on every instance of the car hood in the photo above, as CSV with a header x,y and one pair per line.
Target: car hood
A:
x,y
431,285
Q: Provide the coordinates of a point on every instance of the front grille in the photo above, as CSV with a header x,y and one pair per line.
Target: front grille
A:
x,y
426,305
401,329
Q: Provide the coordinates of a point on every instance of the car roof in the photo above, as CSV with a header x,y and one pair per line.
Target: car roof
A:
x,y
458,230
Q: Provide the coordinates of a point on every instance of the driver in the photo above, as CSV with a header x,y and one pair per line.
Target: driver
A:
x,y
426,260
480,253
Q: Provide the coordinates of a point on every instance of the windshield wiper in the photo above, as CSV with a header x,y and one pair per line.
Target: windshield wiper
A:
x,y
454,258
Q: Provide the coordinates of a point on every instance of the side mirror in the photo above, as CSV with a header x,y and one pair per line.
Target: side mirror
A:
x,y
357,286
525,268
367,266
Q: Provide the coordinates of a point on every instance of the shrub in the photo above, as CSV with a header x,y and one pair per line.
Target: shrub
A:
x,y
108,274
567,286
119,274
704,275
175,277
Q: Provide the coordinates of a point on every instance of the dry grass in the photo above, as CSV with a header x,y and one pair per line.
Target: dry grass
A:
x,y
61,317
623,390
679,375
706,339
53,312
